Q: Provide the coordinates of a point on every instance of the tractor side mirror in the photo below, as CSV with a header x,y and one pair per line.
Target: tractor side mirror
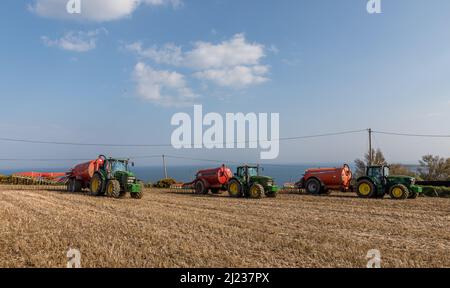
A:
x,y
132,164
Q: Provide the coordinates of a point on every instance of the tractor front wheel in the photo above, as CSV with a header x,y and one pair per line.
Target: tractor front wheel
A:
x,y
413,195
140,194
399,192
313,187
256,191
96,185
365,189
113,189
235,188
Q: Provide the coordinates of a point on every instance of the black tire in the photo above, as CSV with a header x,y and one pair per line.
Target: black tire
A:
x,y
113,189
235,188
71,185
97,188
200,188
313,187
399,192
413,195
365,189
78,186
216,191
256,191
140,194
271,194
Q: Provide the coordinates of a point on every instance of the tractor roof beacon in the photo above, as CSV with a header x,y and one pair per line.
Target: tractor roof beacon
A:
x,y
378,182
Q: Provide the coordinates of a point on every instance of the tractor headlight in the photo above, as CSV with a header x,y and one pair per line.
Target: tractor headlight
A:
x,y
413,181
131,180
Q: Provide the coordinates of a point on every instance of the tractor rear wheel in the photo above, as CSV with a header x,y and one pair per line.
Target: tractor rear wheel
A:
x,y
200,188
256,191
113,189
97,185
313,187
235,188
365,189
399,192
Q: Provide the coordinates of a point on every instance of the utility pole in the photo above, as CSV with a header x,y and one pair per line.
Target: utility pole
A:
x,y
164,165
370,146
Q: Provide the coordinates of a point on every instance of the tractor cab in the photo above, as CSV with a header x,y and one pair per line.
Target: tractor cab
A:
x,y
377,171
246,172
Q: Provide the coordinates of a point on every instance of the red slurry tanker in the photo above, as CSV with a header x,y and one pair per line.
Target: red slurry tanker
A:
x,y
321,180
215,179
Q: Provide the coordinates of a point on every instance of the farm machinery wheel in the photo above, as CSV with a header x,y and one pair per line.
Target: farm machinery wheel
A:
x,y
256,191
235,188
200,188
399,192
140,194
313,187
113,189
271,194
216,191
365,189
413,195
97,185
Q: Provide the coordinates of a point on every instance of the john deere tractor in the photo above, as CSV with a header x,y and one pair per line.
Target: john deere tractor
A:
x,y
248,183
114,179
377,182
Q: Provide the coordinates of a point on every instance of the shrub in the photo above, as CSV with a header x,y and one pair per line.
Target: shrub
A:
x,y
165,183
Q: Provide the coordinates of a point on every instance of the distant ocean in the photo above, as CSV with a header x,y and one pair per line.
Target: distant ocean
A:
x,y
281,173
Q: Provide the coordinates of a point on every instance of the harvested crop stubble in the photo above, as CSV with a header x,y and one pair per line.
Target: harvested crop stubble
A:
x,y
184,230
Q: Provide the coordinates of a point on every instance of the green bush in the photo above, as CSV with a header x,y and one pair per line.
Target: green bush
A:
x,y
165,183
431,191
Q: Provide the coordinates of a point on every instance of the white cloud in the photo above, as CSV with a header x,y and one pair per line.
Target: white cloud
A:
x,y
162,87
233,63
234,52
95,10
238,76
75,41
169,54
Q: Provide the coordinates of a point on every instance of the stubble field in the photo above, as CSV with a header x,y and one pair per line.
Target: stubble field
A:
x,y
167,229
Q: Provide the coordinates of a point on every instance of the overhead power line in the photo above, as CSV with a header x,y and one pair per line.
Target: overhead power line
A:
x,y
412,135
29,141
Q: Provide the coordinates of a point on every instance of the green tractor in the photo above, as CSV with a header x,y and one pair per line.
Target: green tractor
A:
x,y
114,179
377,183
248,183
105,176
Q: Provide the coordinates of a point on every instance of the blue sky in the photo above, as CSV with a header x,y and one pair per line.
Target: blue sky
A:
x,y
324,65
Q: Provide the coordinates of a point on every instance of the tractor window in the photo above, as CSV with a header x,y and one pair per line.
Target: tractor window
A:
x,y
118,166
375,172
252,171
386,171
